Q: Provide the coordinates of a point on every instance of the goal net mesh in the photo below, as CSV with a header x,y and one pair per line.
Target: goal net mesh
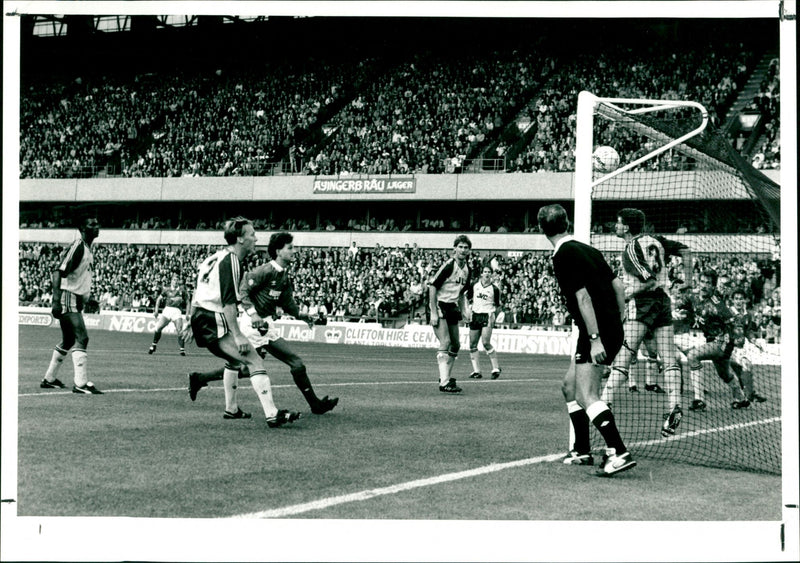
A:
x,y
703,194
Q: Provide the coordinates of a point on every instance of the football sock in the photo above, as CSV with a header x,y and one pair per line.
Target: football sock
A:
x,y
230,380
475,359
736,389
451,359
55,364
631,379
603,419
747,382
615,379
263,388
300,377
672,379
206,376
651,370
696,376
156,337
444,371
492,353
579,421
79,363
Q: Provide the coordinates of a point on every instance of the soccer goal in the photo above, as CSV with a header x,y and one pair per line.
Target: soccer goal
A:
x,y
666,158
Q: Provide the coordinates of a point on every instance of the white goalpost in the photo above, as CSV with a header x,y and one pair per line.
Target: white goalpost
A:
x,y
588,104
667,158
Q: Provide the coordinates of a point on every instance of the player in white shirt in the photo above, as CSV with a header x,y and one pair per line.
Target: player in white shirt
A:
x,y
72,286
446,293
485,298
214,324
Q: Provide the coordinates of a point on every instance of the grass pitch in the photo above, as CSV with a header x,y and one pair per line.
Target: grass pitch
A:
x,y
394,448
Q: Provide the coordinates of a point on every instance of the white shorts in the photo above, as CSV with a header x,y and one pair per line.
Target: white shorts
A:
x,y
687,340
171,313
257,340
738,356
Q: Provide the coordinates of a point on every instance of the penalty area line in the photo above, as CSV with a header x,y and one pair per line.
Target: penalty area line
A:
x,y
393,489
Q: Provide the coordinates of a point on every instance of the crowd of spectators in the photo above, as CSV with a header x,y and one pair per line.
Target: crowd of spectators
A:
x,y
427,114
711,77
213,123
376,284
719,219
767,103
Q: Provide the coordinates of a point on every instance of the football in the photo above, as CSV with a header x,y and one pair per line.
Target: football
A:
x,y
605,159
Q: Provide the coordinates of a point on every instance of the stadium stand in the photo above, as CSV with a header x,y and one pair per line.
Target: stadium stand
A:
x,y
377,284
423,111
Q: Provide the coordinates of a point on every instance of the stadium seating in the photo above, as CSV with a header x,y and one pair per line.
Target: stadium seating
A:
x,y
426,113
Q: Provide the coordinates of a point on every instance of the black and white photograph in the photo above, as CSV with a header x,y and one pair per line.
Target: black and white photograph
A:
x,y
400,281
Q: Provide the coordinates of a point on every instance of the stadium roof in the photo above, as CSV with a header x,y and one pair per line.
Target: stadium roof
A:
x,y
61,25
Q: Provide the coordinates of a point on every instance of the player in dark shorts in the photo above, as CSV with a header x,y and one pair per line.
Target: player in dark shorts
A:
x,y
215,327
484,297
72,285
446,294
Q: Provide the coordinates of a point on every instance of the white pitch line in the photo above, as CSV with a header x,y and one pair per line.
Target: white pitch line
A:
x,y
280,386
320,504
400,487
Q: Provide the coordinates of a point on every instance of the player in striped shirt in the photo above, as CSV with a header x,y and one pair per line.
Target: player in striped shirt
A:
x,y
214,324
484,297
446,295
72,285
649,310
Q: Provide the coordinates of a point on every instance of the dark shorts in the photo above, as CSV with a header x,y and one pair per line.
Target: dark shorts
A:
x,y
654,309
208,327
450,312
719,352
72,302
73,329
612,342
479,321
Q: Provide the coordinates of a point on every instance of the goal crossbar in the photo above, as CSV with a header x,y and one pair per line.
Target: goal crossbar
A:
x,y
588,105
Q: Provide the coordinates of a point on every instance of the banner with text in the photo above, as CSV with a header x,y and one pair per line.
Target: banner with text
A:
x,y
506,341
372,185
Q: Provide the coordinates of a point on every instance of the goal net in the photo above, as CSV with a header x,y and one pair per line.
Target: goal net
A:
x,y
710,210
